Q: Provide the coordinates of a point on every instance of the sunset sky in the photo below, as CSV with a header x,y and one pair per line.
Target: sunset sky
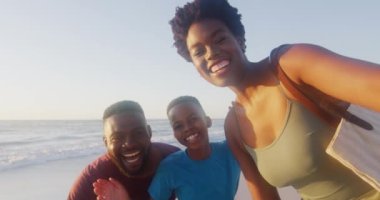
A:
x,y
71,59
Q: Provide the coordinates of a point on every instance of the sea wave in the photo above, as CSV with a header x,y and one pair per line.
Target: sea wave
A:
x,y
26,143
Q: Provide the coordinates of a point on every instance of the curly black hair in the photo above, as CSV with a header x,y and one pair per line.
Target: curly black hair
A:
x,y
204,9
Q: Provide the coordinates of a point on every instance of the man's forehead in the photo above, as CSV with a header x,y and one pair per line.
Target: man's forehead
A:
x,y
130,115
125,120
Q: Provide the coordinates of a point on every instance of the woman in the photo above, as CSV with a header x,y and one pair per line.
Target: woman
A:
x,y
276,139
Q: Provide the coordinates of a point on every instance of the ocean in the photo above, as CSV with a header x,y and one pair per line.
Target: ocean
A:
x,y
31,142
45,157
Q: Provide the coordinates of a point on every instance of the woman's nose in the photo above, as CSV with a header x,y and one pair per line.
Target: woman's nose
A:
x,y
212,52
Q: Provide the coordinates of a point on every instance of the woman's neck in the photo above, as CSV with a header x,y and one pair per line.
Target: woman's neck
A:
x,y
245,87
256,77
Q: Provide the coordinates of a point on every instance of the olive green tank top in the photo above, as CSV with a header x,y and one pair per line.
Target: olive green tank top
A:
x,y
297,158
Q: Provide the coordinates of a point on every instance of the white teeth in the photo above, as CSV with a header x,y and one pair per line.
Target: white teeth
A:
x,y
191,137
219,66
132,160
131,157
131,154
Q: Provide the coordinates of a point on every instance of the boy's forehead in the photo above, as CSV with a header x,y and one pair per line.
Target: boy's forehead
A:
x,y
181,108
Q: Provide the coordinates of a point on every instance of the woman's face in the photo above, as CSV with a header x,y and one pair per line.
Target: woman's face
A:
x,y
216,53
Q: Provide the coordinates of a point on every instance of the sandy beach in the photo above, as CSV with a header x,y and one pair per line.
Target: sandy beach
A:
x,y
48,181
52,180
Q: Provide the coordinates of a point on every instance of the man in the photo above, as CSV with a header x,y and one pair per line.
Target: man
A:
x,y
131,158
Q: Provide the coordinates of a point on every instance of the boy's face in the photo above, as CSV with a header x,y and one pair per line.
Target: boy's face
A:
x,y
189,124
127,138
216,53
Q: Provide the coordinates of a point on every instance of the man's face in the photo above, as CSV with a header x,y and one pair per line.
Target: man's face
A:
x,y
127,138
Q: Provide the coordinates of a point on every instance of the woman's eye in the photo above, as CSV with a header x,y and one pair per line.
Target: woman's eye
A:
x,y
198,53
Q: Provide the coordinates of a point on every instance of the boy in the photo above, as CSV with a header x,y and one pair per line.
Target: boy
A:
x,y
204,170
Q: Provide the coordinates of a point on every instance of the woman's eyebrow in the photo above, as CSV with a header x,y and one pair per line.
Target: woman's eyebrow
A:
x,y
213,34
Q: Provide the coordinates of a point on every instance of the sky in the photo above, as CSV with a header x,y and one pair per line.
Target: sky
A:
x,y
71,59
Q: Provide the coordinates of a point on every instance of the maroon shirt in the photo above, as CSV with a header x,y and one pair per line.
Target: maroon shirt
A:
x,y
104,168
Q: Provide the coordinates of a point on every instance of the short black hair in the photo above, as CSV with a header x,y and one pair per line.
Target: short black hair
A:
x,y
199,10
122,107
184,99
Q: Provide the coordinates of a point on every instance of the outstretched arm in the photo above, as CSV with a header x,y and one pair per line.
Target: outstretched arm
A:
x,y
351,80
258,187
110,189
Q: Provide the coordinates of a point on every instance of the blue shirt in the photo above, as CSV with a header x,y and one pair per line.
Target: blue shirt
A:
x,y
216,177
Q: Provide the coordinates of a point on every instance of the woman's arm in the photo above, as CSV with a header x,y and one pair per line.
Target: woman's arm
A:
x,y
258,187
344,78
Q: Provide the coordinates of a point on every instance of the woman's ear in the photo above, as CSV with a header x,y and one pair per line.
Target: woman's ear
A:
x,y
241,42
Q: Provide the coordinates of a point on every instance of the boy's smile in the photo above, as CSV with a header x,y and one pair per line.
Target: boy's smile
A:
x,y
190,125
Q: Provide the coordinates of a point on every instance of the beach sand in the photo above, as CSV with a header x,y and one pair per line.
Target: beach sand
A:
x,y
52,181
47,181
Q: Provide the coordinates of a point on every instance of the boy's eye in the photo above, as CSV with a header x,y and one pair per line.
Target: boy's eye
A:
x,y
177,126
193,119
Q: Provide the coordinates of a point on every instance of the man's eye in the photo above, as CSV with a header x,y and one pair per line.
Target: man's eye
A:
x,y
140,134
220,40
115,140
